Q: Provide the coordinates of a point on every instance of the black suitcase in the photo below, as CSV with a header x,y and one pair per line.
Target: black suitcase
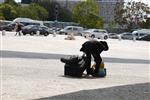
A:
x,y
75,70
74,66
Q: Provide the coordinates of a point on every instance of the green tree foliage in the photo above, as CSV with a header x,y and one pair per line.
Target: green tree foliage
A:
x,y
1,16
33,11
11,2
8,11
50,5
135,12
119,11
146,24
39,11
131,15
112,26
87,14
27,13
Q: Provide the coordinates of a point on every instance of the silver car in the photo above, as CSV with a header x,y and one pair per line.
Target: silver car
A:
x,y
96,33
76,30
127,35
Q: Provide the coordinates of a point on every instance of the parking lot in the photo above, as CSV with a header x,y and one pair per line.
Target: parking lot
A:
x,y
31,68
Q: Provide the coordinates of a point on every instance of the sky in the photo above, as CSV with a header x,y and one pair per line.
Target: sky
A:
x,y
145,1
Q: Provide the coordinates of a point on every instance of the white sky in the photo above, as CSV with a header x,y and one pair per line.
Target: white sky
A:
x,y
145,1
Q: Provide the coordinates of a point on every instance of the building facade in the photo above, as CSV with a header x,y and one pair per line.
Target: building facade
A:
x,y
106,7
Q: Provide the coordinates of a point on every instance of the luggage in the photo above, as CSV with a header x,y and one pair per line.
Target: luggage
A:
x,y
102,70
73,70
74,66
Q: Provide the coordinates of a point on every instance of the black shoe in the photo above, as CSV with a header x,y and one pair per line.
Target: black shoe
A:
x,y
95,75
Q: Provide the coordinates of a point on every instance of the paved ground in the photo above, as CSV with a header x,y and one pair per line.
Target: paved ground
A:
x,y
31,69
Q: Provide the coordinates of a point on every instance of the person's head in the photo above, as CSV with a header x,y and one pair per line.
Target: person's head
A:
x,y
104,43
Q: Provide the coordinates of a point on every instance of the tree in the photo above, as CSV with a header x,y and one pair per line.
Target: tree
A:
x,y
11,2
146,24
119,11
1,16
112,26
131,15
87,14
135,14
33,11
26,12
39,11
8,11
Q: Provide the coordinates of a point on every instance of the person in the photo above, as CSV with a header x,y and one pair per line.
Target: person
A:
x,y
93,48
18,28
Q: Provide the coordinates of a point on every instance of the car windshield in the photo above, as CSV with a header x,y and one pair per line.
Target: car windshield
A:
x,y
44,27
29,26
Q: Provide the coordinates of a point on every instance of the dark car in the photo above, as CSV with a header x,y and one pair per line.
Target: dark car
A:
x,y
144,38
8,27
34,29
11,26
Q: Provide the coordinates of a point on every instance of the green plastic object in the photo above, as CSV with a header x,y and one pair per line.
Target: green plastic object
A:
x,y
102,72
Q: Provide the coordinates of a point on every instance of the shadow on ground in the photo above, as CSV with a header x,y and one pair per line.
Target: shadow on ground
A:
x,y
128,92
32,55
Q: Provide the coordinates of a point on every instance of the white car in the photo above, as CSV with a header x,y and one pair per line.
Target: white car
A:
x,y
96,33
126,35
141,32
76,30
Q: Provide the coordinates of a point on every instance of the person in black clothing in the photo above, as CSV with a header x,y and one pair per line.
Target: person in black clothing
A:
x,y
93,48
18,28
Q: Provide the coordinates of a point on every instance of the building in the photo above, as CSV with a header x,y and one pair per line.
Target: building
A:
x,y
106,7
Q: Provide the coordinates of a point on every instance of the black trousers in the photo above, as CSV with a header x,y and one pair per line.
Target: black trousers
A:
x,y
19,33
97,59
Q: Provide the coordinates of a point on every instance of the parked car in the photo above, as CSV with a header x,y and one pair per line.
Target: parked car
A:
x,y
113,35
8,27
11,26
33,29
144,37
72,29
4,22
127,35
144,31
96,33
141,32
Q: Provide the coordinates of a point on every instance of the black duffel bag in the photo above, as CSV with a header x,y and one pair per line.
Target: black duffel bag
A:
x,y
74,65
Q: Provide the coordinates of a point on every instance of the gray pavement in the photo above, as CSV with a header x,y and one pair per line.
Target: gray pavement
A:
x,y
31,69
126,92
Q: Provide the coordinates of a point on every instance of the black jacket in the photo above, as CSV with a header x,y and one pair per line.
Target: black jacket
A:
x,y
94,46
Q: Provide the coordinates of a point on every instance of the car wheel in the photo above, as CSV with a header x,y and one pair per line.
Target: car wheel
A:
x,y
80,34
32,33
105,37
92,36
66,34
46,34
24,33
